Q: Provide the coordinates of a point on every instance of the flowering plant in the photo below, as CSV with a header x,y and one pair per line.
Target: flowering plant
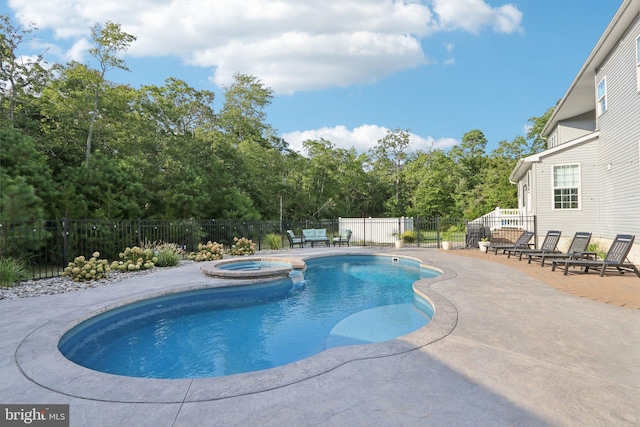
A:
x,y
135,259
209,252
83,270
242,246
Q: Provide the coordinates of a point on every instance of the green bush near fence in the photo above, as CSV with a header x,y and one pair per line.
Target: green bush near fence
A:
x,y
242,246
135,259
11,272
273,241
85,270
209,252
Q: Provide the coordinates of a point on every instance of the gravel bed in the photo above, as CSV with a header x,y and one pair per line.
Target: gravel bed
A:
x,y
59,285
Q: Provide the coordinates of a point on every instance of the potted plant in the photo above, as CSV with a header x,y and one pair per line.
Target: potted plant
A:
x,y
446,237
398,240
483,244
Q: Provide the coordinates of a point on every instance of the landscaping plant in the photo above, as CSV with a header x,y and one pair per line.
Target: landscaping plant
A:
x,y
168,254
84,270
11,271
242,246
135,259
273,241
209,252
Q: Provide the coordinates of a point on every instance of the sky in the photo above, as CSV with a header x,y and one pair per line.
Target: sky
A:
x,y
348,71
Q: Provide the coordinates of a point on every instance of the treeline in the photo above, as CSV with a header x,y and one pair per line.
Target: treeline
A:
x,y
74,144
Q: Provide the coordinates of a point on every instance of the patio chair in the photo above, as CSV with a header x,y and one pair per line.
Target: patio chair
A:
x,y
615,258
293,240
577,250
521,243
343,237
549,245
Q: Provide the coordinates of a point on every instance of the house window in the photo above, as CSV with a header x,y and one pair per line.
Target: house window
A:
x,y
566,186
602,96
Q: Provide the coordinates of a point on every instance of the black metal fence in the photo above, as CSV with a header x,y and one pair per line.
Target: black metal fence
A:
x,y
46,247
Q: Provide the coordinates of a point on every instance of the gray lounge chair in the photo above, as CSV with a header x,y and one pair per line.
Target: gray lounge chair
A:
x,y
577,250
293,240
521,243
549,245
615,258
343,237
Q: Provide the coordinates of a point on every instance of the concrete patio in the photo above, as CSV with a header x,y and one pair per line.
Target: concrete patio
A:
x,y
504,348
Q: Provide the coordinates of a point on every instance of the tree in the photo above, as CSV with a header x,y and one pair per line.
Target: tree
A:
x,y
108,41
21,77
470,159
25,179
534,133
389,157
432,183
243,116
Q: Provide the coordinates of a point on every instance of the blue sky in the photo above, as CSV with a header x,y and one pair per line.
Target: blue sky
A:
x,y
348,70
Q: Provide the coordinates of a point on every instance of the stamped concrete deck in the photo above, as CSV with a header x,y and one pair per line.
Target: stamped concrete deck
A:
x,y
505,348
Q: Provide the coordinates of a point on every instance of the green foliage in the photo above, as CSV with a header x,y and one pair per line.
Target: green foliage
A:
x,y
135,259
242,246
209,252
84,270
107,189
408,236
598,248
168,254
86,147
11,272
450,233
273,241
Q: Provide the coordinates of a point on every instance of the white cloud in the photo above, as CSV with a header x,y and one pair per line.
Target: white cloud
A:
x,y
362,138
473,15
291,45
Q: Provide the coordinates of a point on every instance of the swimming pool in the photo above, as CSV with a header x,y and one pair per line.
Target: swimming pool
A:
x,y
343,300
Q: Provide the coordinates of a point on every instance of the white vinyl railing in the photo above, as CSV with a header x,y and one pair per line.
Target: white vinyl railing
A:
x,y
504,218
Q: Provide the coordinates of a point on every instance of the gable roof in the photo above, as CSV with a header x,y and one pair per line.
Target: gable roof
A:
x,y
580,97
524,164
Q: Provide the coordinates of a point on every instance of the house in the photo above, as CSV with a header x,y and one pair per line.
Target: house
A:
x,y
588,177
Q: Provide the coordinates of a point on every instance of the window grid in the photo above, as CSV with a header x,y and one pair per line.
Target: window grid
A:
x,y
566,186
602,95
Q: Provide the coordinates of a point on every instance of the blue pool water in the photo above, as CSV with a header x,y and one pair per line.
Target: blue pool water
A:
x,y
342,300
253,265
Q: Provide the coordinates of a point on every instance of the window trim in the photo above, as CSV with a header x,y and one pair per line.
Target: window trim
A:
x,y
553,187
599,98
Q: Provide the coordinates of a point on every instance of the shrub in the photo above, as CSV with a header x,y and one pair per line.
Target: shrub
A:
x,y
168,254
11,271
408,236
273,241
209,252
242,246
598,248
83,270
135,259
448,234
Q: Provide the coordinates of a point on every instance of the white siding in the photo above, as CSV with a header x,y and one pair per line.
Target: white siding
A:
x,y
619,157
569,220
576,127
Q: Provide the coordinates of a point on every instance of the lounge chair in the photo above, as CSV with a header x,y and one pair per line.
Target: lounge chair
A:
x,y
615,258
293,240
521,243
577,250
549,245
343,237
